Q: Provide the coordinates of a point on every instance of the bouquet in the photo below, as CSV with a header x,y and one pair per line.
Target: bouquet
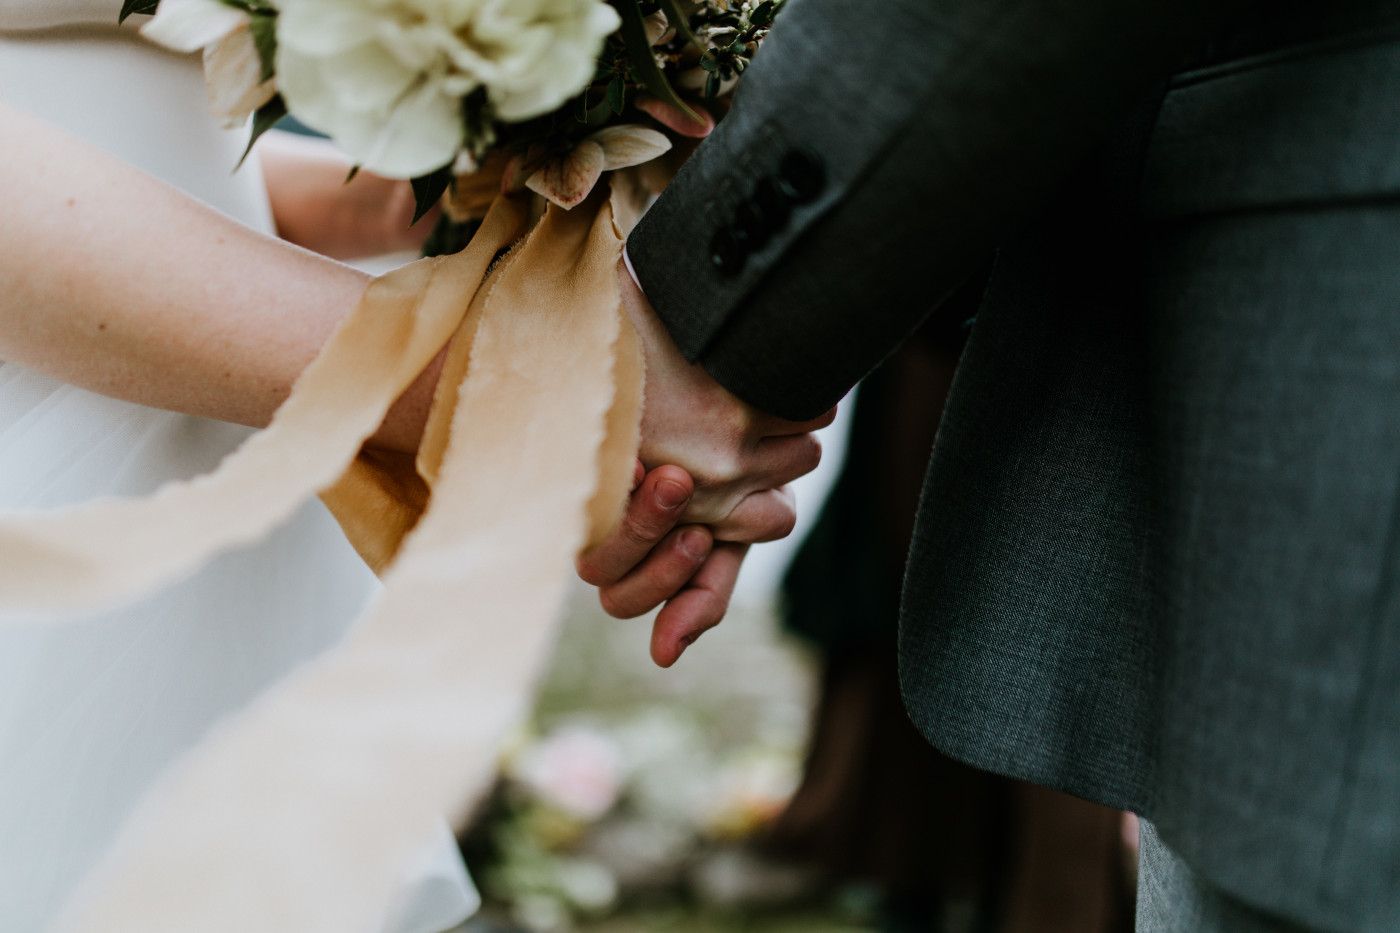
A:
x,y
472,97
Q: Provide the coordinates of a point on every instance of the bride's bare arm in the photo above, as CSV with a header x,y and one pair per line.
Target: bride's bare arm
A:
x,y
119,283
315,207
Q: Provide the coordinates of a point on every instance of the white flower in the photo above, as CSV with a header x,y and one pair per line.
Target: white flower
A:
x,y
385,78
190,25
232,67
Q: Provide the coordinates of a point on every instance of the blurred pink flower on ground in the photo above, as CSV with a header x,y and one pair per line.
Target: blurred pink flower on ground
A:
x,y
577,770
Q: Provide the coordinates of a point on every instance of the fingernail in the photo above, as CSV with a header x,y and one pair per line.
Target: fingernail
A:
x,y
695,543
671,495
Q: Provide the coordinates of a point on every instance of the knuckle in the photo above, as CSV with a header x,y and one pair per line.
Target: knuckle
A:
x,y
638,531
721,464
778,517
826,418
711,613
779,527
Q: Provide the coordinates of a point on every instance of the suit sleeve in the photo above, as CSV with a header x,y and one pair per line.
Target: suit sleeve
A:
x,y
875,155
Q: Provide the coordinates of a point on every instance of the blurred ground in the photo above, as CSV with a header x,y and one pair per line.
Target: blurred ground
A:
x,y
631,802
743,679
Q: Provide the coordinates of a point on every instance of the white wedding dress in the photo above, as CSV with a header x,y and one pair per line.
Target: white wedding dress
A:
x,y
92,710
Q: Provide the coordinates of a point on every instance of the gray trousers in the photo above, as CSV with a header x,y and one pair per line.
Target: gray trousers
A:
x,y
1174,899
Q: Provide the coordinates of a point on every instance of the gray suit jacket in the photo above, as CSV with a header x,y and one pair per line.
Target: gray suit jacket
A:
x,y
1157,559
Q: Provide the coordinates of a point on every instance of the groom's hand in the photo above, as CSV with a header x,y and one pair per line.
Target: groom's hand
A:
x,y
740,458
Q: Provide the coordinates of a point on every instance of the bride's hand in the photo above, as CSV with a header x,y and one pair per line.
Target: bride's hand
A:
x,y
653,558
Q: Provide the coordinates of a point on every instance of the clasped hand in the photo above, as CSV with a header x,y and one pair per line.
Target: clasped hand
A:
x,y
710,481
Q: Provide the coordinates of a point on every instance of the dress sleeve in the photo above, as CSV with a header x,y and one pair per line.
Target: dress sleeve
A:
x,y
874,157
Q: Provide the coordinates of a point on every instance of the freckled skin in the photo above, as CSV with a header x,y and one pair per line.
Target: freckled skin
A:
x,y
185,309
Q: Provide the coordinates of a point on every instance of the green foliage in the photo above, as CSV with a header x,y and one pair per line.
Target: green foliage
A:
x,y
617,94
129,7
643,62
429,189
448,236
264,28
680,21
742,36
594,114
264,118
252,7
479,122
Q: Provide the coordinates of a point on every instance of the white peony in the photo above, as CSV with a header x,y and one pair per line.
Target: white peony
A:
x,y
232,68
385,78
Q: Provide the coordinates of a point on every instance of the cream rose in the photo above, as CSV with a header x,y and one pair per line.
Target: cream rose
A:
x,y
385,78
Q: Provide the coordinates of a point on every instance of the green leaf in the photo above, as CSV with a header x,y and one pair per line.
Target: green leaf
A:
x,y
137,6
264,118
639,56
428,190
680,21
600,113
264,29
617,94
479,120
448,236
763,14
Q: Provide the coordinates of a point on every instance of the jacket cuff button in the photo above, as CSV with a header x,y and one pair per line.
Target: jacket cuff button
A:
x,y
773,203
753,225
727,252
801,176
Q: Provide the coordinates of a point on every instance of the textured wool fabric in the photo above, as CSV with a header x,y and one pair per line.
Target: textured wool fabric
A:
x,y
1174,899
940,125
1157,554
1276,388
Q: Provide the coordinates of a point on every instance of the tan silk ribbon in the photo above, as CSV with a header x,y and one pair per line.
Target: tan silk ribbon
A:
x,y
295,815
